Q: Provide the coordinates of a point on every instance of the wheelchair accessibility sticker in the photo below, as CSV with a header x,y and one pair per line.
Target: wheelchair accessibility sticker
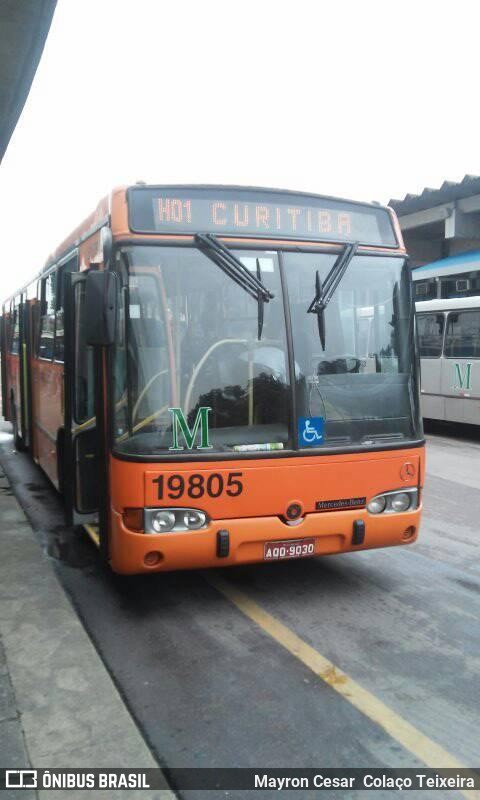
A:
x,y
310,431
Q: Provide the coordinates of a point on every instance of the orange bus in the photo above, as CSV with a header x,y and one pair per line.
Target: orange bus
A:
x,y
218,375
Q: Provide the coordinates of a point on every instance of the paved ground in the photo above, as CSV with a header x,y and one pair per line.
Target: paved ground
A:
x,y
58,704
210,685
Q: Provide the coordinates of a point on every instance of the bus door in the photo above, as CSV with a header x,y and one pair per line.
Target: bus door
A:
x,y
461,366
25,354
430,332
81,451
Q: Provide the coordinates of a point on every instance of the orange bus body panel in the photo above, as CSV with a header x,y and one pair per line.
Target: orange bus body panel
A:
x,y
255,516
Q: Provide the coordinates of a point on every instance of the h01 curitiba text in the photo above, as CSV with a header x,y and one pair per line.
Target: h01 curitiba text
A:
x,y
365,781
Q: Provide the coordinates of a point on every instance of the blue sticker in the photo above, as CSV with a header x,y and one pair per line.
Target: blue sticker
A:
x,y
310,431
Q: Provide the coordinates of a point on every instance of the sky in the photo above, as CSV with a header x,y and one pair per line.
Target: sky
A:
x,y
366,99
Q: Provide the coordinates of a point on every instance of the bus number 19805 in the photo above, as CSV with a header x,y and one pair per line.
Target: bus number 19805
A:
x,y
197,485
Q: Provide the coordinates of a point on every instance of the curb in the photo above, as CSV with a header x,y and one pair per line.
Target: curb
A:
x,y
70,711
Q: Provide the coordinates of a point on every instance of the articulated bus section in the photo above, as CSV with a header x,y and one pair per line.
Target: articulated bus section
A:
x,y
219,375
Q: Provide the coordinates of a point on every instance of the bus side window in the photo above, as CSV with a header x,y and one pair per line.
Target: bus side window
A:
x,y
430,334
15,328
59,352
47,321
463,335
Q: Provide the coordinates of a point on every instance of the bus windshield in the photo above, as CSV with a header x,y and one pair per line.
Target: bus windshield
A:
x,y
190,354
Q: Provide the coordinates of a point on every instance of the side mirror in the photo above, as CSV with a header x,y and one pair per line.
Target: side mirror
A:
x,y
101,300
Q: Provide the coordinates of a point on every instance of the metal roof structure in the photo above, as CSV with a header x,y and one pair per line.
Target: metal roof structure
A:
x,y
448,192
24,26
442,222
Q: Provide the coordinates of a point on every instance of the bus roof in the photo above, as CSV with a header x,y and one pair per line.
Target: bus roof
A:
x,y
453,265
452,304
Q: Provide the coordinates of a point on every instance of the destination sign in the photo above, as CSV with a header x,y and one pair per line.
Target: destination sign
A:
x,y
252,212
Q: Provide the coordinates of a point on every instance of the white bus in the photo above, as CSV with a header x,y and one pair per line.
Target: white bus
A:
x,y
449,344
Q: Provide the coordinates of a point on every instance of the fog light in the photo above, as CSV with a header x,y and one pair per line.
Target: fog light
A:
x,y
163,521
194,519
377,504
152,558
400,502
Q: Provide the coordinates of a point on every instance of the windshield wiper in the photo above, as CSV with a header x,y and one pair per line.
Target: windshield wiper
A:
x,y
238,272
324,292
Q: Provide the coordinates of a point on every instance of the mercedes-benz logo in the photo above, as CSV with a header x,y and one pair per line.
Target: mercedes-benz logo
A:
x,y
407,471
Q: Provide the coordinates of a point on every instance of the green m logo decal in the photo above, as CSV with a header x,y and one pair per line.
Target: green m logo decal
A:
x,y
463,379
180,424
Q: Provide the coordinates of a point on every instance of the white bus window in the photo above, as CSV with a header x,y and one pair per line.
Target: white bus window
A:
x,y
430,334
463,335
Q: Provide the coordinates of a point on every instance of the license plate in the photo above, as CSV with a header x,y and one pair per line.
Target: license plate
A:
x,y
294,548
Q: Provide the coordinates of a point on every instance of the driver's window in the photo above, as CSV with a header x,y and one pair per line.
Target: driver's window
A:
x,y
147,343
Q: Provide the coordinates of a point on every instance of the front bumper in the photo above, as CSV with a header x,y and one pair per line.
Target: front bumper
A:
x,y
332,531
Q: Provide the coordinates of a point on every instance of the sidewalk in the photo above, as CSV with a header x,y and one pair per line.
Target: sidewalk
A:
x,y
58,704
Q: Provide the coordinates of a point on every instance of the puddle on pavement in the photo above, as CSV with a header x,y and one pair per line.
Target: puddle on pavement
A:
x,y
72,547
42,506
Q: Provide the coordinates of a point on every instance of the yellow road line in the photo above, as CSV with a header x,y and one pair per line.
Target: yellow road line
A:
x,y
423,748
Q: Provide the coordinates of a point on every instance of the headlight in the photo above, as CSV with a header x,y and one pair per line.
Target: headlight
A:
x,y
171,520
194,519
400,502
393,502
377,504
163,521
